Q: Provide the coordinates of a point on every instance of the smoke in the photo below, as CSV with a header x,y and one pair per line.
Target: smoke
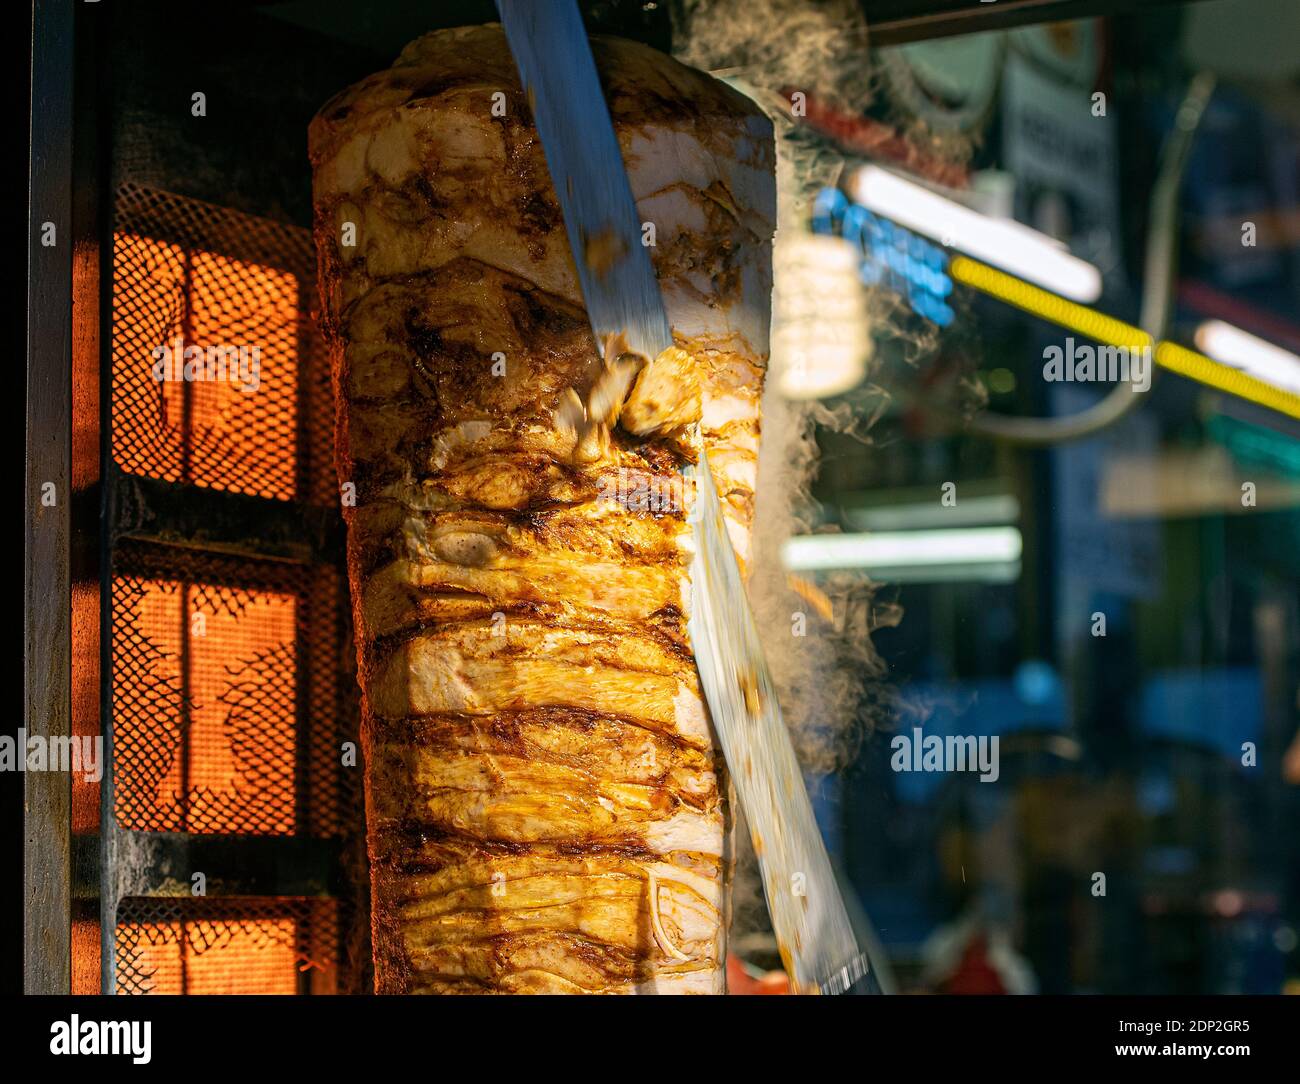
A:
x,y
826,668
818,47
829,676
771,45
767,48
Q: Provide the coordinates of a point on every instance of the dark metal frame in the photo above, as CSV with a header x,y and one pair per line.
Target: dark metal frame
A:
x,y
147,863
142,864
897,22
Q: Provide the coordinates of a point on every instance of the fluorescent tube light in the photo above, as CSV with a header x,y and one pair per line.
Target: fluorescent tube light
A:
x,y
915,556
1002,242
1106,329
994,508
1244,351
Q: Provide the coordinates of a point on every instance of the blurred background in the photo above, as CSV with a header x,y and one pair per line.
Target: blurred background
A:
x,y
1120,608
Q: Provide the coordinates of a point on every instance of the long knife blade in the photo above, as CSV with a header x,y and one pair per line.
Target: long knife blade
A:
x,y
558,73
814,935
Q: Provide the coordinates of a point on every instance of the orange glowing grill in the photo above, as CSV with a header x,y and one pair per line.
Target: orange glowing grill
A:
x,y
225,695
233,729
234,946
222,663
216,377
222,335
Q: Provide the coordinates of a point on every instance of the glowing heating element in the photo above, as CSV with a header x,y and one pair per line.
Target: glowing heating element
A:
x,y
205,731
1006,243
1108,330
225,425
243,956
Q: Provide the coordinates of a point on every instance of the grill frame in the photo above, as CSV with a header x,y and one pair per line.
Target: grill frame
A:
x,y
111,121
315,925
229,541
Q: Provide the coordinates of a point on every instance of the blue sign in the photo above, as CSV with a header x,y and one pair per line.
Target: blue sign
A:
x,y
892,257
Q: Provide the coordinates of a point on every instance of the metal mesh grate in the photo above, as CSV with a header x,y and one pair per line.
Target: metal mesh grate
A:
x,y
226,696
234,945
231,699
218,379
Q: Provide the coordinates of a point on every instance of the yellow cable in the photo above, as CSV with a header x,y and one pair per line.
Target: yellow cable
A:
x,y
1106,329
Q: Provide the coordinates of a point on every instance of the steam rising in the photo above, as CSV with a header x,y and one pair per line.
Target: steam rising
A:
x,y
820,47
768,46
761,47
831,679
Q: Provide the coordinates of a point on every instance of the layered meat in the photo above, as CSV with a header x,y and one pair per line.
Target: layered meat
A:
x,y
546,808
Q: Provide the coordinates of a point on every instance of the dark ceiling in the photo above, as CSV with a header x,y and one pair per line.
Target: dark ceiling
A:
x,y
386,28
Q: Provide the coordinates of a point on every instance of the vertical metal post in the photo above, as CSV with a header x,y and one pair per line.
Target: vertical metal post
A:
x,y
47,584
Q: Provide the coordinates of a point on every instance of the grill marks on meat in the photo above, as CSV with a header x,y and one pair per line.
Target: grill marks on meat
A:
x,y
546,808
